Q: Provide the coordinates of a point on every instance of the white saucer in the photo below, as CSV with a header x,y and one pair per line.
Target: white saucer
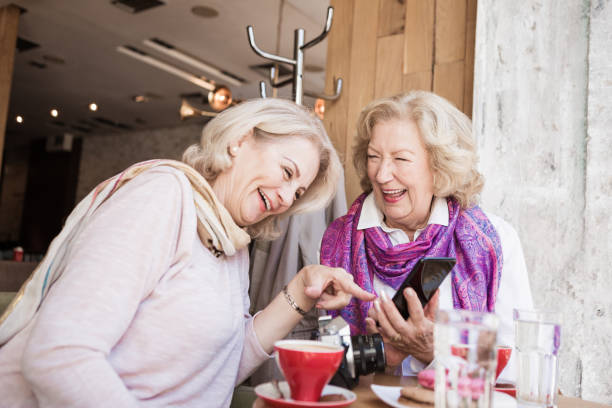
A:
x,y
268,393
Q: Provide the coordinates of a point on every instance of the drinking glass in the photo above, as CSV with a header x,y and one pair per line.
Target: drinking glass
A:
x,y
466,358
538,339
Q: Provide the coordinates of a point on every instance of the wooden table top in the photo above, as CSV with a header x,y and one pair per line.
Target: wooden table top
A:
x,y
367,399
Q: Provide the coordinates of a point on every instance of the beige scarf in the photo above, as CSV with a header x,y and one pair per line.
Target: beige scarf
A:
x,y
216,229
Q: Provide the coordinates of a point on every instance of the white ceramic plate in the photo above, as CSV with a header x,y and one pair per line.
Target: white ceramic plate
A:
x,y
390,395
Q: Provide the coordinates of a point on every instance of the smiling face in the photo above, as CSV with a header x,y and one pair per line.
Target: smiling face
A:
x,y
402,180
266,177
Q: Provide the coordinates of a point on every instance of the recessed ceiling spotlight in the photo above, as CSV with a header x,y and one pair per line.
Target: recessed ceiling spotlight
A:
x,y
93,107
204,11
140,98
19,119
54,113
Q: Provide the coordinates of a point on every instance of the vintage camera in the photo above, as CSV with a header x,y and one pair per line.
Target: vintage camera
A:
x,y
363,354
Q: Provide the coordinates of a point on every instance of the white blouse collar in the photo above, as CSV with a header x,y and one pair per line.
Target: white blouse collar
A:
x,y
371,216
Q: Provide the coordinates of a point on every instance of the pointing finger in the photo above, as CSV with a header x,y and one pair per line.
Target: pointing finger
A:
x,y
345,282
333,302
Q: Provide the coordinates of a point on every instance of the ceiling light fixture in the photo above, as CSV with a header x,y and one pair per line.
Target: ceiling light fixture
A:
x,y
54,59
54,113
172,51
319,108
204,11
147,59
19,119
93,107
140,98
220,99
136,6
187,111
145,97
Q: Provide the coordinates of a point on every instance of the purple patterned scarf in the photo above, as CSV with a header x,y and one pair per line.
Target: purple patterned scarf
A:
x,y
470,238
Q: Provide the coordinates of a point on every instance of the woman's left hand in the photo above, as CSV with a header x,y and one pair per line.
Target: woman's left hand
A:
x,y
405,337
331,288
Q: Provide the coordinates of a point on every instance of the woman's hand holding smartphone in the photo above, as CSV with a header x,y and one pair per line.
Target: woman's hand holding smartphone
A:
x,y
425,278
410,333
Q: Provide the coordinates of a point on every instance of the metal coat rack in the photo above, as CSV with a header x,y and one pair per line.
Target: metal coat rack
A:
x,y
297,62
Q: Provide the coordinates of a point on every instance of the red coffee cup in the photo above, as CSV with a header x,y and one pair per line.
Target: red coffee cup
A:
x,y
18,254
307,366
503,356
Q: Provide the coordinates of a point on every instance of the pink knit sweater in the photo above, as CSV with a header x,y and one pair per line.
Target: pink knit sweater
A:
x,y
143,316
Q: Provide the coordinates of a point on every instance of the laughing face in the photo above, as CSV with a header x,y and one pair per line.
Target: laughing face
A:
x,y
402,180
266,177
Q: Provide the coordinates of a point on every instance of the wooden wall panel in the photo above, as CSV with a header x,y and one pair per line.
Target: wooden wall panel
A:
x,y
417,80
389,57
471,11
361,80
338,66
450,30
448,82
418,35
470,45
391,17
386,47
9,21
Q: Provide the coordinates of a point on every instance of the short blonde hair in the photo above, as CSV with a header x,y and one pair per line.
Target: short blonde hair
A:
x,y
446,133
269,119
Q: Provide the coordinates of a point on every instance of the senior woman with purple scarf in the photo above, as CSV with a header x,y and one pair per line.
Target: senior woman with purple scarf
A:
x,y
416,158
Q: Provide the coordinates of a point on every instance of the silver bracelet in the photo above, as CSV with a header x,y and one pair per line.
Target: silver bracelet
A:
x,y
292,302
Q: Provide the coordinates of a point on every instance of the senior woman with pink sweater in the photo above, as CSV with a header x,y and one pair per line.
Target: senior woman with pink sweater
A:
x,y
142,298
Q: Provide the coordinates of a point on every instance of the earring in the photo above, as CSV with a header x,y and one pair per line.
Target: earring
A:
x,y
232,150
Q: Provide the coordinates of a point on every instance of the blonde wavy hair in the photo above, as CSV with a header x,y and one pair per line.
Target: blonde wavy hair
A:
x,y
271,120
446,133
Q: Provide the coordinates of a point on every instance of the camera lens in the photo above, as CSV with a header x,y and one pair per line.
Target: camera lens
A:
x,y
368,354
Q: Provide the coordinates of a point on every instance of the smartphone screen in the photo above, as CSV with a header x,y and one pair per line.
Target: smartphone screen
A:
x,y
425,278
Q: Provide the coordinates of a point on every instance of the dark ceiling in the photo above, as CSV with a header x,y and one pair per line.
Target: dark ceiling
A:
x,y
74,59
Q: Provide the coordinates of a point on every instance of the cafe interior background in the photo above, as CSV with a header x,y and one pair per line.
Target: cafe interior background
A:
x,y
535,76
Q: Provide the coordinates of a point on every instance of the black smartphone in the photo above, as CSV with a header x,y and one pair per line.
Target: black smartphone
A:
x,y
426,276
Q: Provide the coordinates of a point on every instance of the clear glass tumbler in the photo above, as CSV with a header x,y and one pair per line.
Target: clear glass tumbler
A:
x,y
465,353
538,339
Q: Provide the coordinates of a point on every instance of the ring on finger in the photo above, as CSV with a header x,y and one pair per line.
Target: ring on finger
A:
x,y
396,338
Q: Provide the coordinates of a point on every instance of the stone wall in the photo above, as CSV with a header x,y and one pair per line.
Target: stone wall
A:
x,y
597,236
105,155
542,117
